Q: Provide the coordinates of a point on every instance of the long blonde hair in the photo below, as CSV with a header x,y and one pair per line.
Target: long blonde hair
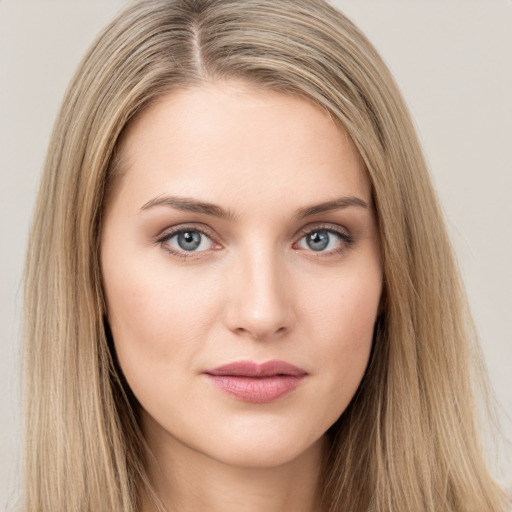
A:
x,y
409,440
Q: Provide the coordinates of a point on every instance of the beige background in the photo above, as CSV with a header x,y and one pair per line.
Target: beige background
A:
x,y
453,62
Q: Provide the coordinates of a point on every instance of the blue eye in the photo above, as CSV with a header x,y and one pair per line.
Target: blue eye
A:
x,y
189,240
185,241
318,240
324,240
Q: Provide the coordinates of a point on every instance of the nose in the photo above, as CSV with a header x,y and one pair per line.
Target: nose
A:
x,y
260,302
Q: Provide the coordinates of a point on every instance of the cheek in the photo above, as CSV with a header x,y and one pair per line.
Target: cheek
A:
x,y
345,310
155,318
342,323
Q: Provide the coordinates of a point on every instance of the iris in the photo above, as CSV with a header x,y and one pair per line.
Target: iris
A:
x,y
318,240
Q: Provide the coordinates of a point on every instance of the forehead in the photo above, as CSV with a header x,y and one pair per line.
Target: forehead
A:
x,y
231,138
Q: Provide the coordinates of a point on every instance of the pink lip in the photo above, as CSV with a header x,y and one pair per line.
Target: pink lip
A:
x,y
256,382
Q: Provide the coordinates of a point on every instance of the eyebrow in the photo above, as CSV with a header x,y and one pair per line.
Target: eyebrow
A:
x,y
187,204
329,206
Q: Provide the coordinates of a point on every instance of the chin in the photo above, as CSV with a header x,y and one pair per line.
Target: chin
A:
x,y
270,451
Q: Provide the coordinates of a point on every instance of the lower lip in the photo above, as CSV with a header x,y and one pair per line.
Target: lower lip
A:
x,y
257,390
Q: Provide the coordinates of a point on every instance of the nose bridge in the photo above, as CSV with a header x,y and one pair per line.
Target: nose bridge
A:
x,y
261,305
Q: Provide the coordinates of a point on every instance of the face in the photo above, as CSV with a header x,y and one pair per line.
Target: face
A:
x,y
242,272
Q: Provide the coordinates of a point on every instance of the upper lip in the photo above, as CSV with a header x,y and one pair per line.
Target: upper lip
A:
x,y
254,369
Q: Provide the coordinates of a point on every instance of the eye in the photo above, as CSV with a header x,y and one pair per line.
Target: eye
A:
x,y
187,240
325,240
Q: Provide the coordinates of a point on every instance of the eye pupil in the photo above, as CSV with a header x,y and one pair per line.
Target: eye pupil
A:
x,y
318,240
189,240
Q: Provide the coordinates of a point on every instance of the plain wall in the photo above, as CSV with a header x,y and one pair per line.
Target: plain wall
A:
x,y
452,60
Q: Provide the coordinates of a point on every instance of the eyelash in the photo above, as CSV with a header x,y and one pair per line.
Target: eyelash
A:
x,y
346,240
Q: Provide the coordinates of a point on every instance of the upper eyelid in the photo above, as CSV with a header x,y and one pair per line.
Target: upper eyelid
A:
x,y
171,231
325,226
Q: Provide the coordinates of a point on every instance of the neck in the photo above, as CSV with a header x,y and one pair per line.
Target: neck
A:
x,y
188,481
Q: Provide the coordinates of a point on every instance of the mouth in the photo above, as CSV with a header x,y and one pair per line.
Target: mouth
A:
x,y
256,382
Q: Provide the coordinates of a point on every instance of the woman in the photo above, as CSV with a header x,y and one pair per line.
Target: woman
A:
x,y
240,294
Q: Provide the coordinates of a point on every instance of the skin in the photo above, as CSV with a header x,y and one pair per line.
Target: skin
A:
x,y
253,290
